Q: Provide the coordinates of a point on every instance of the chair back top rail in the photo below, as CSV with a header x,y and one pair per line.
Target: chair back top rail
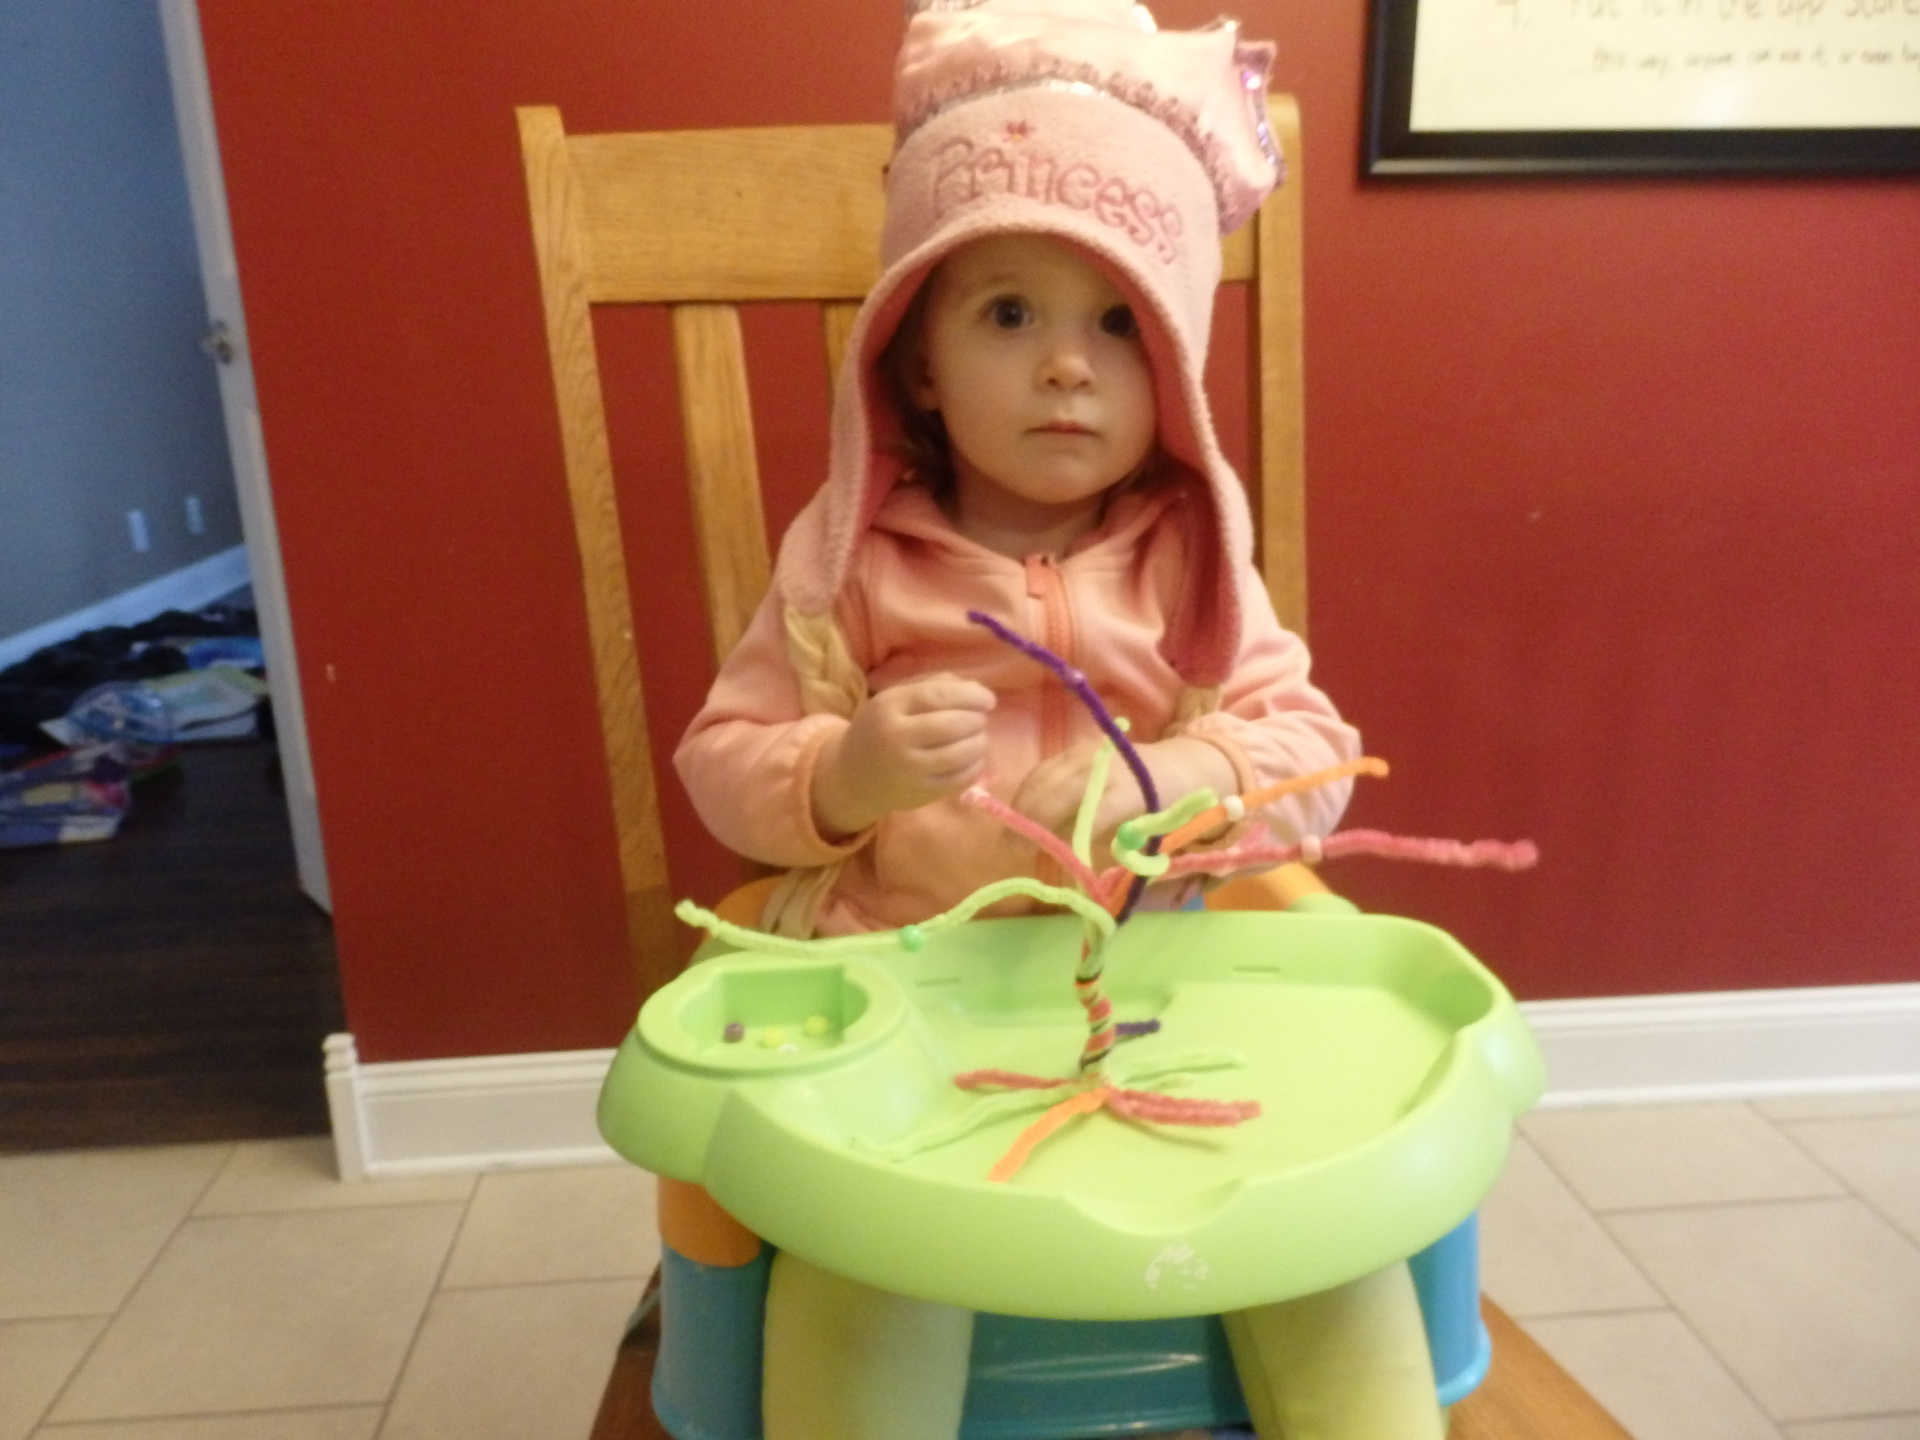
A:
x,y
774,213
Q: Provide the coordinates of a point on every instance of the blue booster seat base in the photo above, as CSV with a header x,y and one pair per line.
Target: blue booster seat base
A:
x,y
1034,1379
706,1375
1447,1276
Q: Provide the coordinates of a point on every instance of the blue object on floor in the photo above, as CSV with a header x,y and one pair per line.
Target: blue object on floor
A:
x,y
246,651
77,795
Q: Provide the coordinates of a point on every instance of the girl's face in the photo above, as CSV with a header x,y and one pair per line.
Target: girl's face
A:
x,y
1033,361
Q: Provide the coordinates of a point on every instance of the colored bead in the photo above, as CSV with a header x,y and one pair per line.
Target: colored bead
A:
x,y
816,1026
734,1033
772,1038
912,937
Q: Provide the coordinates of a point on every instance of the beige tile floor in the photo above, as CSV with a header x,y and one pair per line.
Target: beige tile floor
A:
x,y
1725,1272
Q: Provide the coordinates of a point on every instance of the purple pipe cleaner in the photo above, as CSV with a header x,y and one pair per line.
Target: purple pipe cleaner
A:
x,y
1076,682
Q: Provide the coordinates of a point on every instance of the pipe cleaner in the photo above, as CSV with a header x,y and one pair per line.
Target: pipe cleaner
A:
x,y
1143,848
1077,683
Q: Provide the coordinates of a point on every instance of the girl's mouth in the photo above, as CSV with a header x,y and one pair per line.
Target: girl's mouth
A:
x,y
1063,427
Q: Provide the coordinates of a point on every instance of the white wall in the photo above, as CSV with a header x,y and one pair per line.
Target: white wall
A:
x,y
106,402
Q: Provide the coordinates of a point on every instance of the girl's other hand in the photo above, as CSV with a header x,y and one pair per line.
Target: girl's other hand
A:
x,y
904,748
1051,793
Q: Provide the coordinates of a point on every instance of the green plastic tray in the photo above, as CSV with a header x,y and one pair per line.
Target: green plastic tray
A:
x,y
1388,1062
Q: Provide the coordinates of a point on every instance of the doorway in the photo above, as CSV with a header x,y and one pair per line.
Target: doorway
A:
x,y
172,983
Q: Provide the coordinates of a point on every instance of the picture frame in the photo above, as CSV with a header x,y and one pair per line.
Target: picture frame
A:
x,y
1597,87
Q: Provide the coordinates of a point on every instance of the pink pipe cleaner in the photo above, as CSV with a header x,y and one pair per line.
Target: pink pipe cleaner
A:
x,y
1475,854
1102,1035
1033,830
1467,854
1138,1105
1178,1110
1006,1080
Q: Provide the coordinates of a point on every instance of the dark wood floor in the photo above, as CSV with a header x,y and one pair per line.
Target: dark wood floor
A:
x,y
172,983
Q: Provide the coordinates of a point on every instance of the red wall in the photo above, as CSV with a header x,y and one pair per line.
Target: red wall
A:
x,y
1614,512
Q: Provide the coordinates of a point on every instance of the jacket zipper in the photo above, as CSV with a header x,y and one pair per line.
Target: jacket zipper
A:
x,y
1046,585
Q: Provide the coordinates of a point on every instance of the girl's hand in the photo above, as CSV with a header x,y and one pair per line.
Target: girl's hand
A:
x,y
1052,790
904,748
1051,794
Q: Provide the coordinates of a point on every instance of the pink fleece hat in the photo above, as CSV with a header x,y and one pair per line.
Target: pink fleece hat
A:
x,y
1141,148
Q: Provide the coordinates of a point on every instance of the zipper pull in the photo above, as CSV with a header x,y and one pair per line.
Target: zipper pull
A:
x,y
1036,566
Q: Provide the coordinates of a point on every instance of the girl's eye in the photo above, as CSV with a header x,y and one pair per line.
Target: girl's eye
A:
x,y
1119,322
1008,312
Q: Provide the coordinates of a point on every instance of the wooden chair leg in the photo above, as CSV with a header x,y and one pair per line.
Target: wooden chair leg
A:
x,y
626,1407
1527,1396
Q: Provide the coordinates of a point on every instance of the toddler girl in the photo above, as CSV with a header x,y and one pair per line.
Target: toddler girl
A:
x,y
1020,430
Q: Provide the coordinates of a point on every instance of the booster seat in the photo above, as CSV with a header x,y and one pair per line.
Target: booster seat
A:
x,y
1053,1377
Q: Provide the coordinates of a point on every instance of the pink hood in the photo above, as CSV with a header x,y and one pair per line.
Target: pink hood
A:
x,y
1070,118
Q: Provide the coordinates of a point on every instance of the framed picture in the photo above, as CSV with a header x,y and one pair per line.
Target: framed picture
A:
x,y
1461,87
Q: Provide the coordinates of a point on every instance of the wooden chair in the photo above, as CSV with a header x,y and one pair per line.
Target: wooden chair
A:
x,y
703,221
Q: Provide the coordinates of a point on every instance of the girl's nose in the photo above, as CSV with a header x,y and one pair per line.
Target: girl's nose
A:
x,y
1066,365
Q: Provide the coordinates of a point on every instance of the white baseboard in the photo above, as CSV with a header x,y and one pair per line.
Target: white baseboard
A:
x,y
489,1112
198,584
421,1117
1729,1045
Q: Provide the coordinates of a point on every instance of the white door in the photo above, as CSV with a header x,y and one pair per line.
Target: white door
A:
x,y
227,344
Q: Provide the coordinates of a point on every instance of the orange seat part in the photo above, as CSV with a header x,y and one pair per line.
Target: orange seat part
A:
x,y
693,1224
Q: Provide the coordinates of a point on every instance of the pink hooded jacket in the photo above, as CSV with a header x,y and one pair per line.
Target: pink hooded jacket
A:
x,y
748,758
1075,119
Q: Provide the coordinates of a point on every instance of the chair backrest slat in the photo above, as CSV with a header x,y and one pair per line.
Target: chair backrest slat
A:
x,y
707,220
836,327
1277,386
555,201
722,471
1236,254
